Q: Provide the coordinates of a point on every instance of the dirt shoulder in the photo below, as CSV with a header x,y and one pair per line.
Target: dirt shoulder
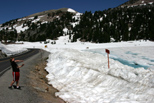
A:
x,y
40,84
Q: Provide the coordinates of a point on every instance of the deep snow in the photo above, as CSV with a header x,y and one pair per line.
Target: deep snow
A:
x,y
80,71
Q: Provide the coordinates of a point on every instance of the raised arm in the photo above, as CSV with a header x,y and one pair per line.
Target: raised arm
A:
x,y
21,66
18,60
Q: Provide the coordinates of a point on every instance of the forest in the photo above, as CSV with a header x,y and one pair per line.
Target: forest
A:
x,y
112,25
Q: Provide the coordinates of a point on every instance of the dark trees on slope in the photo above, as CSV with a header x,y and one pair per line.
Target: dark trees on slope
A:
x,y
119,24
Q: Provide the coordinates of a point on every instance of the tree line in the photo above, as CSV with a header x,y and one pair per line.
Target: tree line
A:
x,y
112,25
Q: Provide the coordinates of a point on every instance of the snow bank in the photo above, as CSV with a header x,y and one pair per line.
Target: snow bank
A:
x,y
11,50
83,77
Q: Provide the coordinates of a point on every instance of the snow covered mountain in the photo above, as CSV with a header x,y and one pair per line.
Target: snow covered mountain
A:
x,y
22,24
118,24
35,26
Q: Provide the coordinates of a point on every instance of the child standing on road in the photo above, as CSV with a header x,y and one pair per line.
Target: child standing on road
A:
x,y
15,72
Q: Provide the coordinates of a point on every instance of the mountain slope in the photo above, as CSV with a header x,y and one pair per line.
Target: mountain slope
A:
x,y
47,12
45,16
137,2
118,24
31,24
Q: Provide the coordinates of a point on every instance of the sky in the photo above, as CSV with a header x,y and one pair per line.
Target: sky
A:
x,y
13,9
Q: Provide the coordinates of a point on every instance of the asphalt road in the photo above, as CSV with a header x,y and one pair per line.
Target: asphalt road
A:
x,y
26,94
5,63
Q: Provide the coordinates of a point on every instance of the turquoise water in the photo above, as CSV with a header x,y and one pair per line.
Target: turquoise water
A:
x,y
125,62
131,64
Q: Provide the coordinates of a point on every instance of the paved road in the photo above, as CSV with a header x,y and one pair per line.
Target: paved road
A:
x,y
5,64
26,94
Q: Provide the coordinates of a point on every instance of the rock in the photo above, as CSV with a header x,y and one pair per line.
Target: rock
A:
x,y
47,89
40,89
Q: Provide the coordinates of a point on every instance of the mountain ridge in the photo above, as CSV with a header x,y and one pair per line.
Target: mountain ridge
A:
x,y
136,3
48,11
117,24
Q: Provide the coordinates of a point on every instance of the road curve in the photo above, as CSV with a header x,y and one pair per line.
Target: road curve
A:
x,y
5,64
26,94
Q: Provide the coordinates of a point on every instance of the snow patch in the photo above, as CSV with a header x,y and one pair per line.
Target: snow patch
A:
x,y
21,28
71,10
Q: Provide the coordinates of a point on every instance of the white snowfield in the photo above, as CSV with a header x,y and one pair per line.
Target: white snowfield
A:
x,y
82,75
12,49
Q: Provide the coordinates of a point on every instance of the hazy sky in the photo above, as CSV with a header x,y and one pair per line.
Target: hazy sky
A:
x,y
13,9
